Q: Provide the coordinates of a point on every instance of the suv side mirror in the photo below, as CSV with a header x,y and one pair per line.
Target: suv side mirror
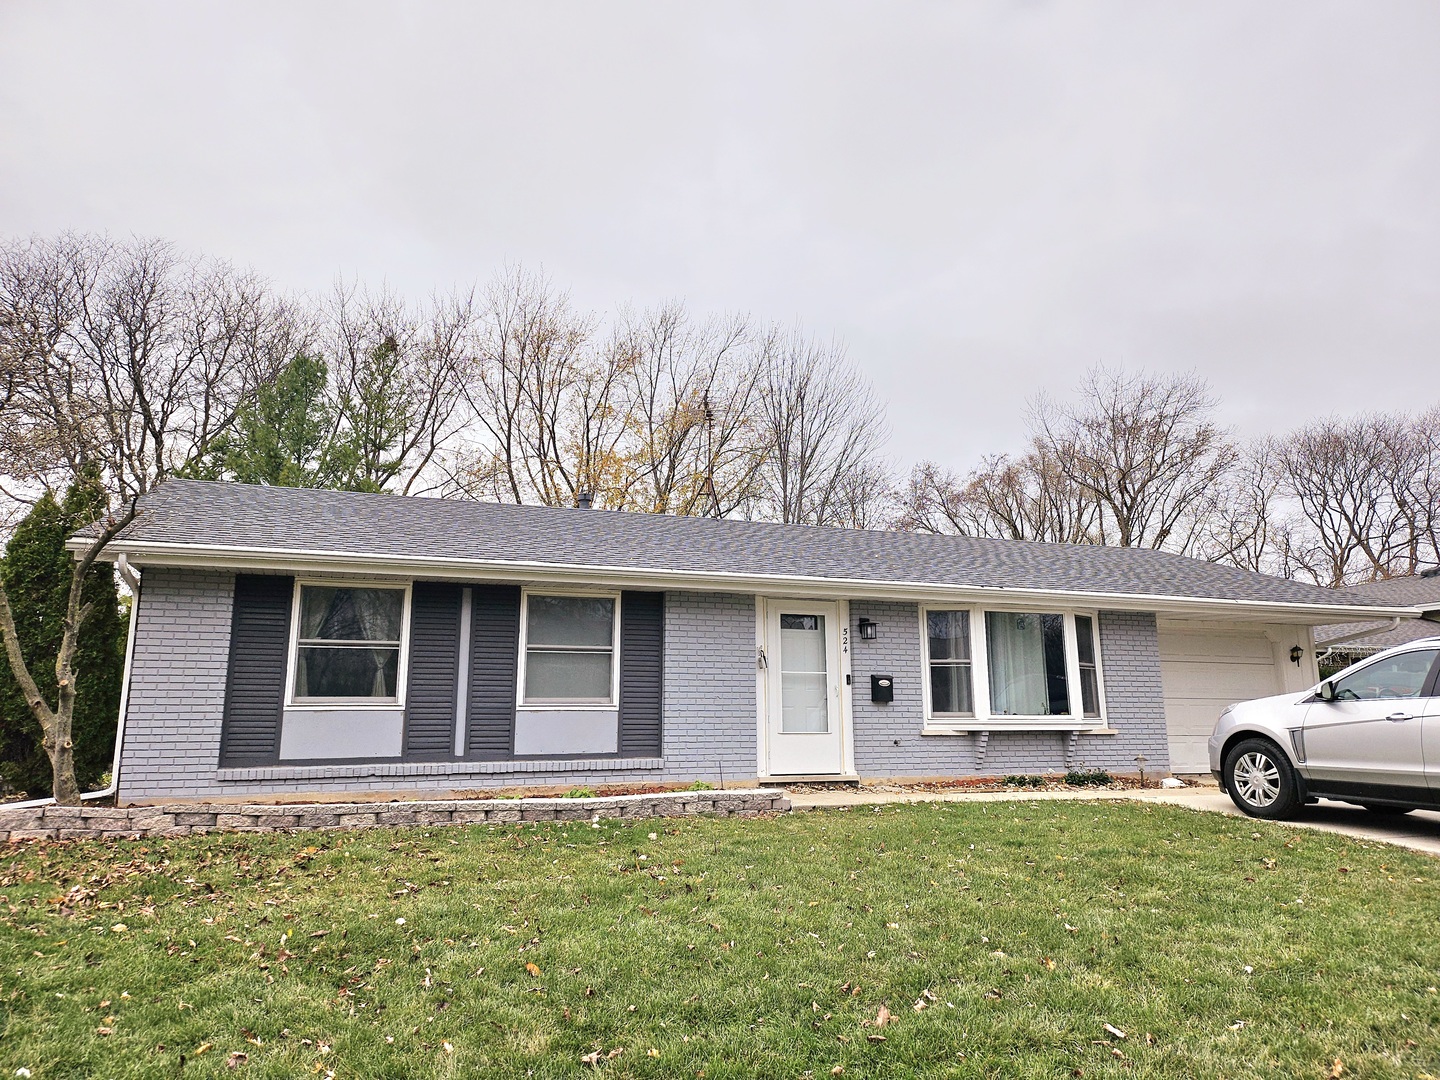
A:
x,y
1326,691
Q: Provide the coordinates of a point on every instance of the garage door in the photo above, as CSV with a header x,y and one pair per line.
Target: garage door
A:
x,y
1203,671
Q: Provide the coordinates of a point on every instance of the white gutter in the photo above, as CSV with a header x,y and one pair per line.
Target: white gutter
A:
x,y
262,558
132,580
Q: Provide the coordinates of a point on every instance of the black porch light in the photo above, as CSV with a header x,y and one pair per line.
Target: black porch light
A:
x,y
868,630
1296,652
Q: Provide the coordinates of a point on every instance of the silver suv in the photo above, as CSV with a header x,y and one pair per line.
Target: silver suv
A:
x,y
1369,735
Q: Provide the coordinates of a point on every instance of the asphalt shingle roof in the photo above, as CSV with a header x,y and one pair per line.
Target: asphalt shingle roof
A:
x,y
1420,590
208,514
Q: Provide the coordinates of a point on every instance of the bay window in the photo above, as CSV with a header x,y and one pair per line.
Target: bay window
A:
x,y
1030,668
569,650
348,644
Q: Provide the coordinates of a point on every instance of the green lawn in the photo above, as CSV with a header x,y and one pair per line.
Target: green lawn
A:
x,y
1002,938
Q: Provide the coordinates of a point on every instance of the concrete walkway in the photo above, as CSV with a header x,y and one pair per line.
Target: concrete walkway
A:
x,y
1419,831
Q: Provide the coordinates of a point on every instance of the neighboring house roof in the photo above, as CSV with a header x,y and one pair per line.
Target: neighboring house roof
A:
x,y
187,521
1418,590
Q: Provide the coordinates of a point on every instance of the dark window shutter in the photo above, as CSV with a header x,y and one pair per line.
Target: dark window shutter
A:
x,y
255,681
494,647
642,669
434,671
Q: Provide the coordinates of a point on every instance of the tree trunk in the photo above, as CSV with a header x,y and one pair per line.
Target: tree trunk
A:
x,y
62,763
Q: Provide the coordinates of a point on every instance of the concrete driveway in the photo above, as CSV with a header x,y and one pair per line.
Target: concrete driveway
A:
x,y
1419,831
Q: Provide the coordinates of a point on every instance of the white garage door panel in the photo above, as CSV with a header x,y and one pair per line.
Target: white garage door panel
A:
x,y
1209,679
1202,672
1215,645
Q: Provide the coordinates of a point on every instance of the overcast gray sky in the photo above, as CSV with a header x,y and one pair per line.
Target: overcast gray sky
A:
x,y
982,200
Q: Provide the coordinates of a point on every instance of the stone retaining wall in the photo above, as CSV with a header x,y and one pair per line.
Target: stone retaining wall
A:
x,y
111,822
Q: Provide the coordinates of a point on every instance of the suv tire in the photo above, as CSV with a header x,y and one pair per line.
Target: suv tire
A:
x,y
1260,780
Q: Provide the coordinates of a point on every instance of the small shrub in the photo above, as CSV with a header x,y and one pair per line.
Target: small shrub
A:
x,y
1088,778
700,785
578,793
1024,781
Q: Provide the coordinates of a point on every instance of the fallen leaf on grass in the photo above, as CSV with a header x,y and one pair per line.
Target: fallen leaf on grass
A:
x,y
1113,1030
236,1059
597,1056
1337,1070
533,970
876,1038
203,1048
882,1017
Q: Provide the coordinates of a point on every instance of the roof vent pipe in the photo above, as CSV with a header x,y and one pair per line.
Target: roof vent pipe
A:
x,y
584,500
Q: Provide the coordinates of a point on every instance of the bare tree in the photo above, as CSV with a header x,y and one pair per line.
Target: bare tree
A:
x,y
397,370
1028,498
690,447
543,396
1242,522
126,361
1363,487
818,422
1145,448
1411,453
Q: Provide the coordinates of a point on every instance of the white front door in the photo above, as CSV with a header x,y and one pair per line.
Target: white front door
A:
x,y
804,703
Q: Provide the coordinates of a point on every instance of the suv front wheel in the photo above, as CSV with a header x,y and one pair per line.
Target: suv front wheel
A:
x,y
1260,780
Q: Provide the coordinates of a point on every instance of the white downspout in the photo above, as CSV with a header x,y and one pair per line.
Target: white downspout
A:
x,y
131,579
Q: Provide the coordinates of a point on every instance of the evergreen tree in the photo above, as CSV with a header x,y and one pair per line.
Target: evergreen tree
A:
x,y
282,436
377,413
36,570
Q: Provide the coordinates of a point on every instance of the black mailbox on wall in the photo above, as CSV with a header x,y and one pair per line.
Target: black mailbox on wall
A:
x,y
882,689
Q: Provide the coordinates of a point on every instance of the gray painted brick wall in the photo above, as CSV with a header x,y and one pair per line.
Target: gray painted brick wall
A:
x,y
177,684
888,742
177,691
710,705
1134,696
177,700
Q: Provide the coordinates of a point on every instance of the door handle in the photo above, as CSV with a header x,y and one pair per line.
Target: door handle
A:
x,y
1396,717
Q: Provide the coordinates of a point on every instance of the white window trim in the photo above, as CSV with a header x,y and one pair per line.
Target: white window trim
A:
x,y
984,719
579,706
348,704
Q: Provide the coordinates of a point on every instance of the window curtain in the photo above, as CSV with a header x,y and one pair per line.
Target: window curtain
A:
x,y
1027,663
1016,648
377,614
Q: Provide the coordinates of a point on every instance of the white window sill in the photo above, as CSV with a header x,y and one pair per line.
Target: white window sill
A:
x,y
343,706
971,726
